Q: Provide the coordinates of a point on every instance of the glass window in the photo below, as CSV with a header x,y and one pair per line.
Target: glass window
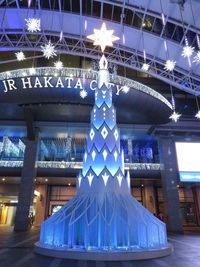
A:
x,y
117,13
107,11
86,5
96,9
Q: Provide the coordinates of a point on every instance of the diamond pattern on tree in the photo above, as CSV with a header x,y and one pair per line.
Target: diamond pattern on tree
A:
x,y
92,134
116,135
115,155
105,178
93,154
105,154
104,132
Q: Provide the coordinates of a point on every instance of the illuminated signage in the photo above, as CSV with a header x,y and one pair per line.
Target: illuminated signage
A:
x,y
25,83
189,176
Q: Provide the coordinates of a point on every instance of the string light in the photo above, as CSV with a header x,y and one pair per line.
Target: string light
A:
x,y
32,71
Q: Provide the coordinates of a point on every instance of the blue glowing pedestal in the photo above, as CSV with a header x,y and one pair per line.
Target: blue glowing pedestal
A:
x,y
103,221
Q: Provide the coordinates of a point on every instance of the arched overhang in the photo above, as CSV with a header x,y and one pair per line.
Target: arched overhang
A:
x,y
128,54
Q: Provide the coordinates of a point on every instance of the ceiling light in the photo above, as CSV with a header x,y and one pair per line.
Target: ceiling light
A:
x,y
33,25
58,65
175,116
3,179
48,50
170,65
20,56
46,180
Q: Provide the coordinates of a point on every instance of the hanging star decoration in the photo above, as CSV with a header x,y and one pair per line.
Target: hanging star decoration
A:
x,y
83,93
145,67
103,37
48,50
125,89
20,56
170,65
58,65
33,25
198,115
175,116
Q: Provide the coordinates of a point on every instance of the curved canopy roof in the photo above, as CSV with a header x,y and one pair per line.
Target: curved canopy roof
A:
x,y
138,23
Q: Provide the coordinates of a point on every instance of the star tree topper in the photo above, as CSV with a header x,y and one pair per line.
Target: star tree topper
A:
x,y
103,37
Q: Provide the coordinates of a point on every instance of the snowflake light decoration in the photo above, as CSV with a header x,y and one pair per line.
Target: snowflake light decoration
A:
x,y
20,56
197,58
58,65
145,67
125,89
170,65
33,25
48,50
103,37
198,115
175,116
187,51
83,93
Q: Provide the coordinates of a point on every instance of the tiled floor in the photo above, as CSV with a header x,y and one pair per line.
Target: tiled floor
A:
x,y
16,250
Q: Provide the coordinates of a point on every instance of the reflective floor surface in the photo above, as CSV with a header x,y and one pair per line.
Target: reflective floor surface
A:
x,y
16,250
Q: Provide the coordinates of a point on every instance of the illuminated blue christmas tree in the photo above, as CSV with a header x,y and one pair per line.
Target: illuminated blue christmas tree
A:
x,y
103,216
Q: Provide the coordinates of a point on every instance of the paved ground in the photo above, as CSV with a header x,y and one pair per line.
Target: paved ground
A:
x,y
16,250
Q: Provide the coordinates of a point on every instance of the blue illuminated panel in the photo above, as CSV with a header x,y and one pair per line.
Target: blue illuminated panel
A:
x,y
189,176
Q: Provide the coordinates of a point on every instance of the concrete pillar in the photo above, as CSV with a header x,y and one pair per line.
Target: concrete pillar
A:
x,y
40,205
28,175
169,176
